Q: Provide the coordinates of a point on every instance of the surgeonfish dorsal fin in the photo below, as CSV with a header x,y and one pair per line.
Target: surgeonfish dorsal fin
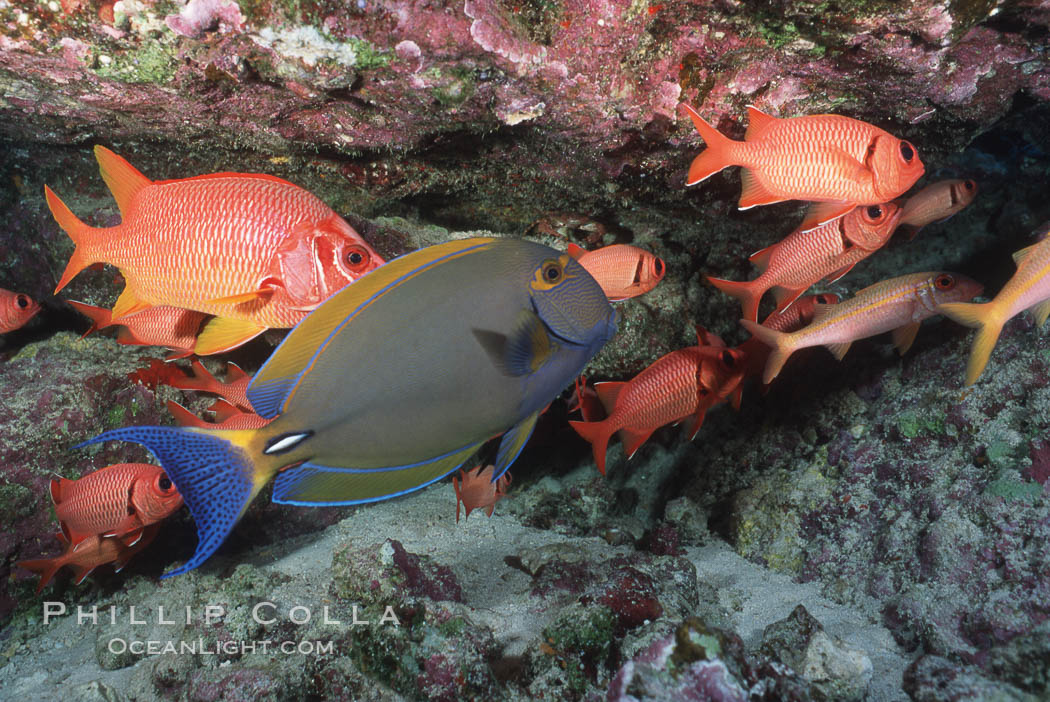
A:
x,y
123,179
276,381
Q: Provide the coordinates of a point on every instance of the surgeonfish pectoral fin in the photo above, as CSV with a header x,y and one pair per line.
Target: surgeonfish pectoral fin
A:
x,y
512,443
224,333
903,337
127,304
821,212
522,352
311,484
214,474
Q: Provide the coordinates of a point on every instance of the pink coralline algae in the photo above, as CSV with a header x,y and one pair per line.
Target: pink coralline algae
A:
x,y
199,16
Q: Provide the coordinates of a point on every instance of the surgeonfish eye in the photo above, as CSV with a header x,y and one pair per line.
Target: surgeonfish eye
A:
x,y
944,282
907,151
551,272
874,212
22,301
356,257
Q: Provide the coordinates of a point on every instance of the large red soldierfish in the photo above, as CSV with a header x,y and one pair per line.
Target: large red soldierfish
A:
x,y
833,160
156,326
936,203
669,390
118,500
87,555
622,270
15,310
898,304
802,259
254,250
1028,289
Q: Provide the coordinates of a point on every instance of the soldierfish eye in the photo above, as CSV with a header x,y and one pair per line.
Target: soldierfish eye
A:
x,y
907,151
969,185
728,360
874,212
164,484
22,301
944,282
658,267
356,257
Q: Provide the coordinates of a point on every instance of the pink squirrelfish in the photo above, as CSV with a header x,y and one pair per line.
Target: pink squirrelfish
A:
x,y
157,326
623,271
475,489
802,259
936,203
898,304
1027,289
669,390
252,249
88,554
15,310
836,161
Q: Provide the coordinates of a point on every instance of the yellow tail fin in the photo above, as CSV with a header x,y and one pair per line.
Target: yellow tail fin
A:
x,y
989,326
774,340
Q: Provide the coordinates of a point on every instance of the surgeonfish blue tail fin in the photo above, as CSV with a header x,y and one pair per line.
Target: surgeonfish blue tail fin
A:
x,y
712,159
981,316
80,233
212,471
774,340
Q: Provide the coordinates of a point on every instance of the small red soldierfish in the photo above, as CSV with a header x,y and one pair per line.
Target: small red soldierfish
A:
x,y
802,259
936,203
1027,289
669,390
836,161
157,326
475,489
792,319
621,270
234,390
898,304
15,310
254,250
227,416
585,399
87,555
118,500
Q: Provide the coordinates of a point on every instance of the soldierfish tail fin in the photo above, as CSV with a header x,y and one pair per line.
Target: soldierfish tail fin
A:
x,y
980,315
83,237
774,340
213,471
715,157
749,294
598,434
201,380
44,567
99,316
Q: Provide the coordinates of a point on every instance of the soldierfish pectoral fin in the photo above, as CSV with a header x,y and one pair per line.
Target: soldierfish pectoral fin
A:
x,y
214,475
521,352
512,443
821,212
311,484
225,333
282,372
264,292
753,192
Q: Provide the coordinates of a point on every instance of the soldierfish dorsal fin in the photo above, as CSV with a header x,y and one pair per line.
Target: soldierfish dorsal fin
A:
x,y
123,179
576,251
757,123
275,383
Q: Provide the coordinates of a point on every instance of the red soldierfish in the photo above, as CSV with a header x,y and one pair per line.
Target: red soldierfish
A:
x,y
936,203
15,310
157,326
87,555
475,489
227,416
234,390
792,319
898,304
836,161
623,271
802,259
669,390
252,249
118,500
1028,289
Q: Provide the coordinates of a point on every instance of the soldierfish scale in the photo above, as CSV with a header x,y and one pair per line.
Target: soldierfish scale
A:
x,y
215,477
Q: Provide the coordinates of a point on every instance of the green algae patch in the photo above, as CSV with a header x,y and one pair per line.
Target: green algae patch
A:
x,y
1011,489
451,87
580,640
154,62
913,424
